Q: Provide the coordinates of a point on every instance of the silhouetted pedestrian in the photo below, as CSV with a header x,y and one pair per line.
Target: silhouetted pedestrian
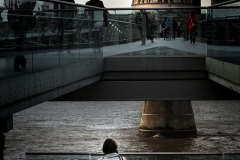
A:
x,y
167,28
175,27
142,22
66,21
20,18
97,20
110,151
97,3
191,26
152,28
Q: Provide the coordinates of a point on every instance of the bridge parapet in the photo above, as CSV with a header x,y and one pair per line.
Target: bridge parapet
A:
x,y
23,92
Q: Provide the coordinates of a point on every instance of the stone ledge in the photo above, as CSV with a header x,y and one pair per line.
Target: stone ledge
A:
x,y
226,71
224,82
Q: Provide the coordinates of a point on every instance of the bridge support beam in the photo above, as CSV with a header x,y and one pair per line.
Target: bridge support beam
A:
x,y
167,118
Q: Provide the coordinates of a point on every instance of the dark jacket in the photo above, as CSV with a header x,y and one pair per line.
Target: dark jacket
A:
x,y
98,3
17,11
141,18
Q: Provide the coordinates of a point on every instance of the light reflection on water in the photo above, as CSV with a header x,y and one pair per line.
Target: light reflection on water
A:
x,y
83,126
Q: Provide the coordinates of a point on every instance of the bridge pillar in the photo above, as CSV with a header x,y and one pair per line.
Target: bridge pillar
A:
x,y
167,118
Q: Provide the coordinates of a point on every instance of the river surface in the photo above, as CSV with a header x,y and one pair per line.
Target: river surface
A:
x,y
83,126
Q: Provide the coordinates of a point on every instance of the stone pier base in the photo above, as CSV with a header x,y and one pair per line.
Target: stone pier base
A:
x,y
167,118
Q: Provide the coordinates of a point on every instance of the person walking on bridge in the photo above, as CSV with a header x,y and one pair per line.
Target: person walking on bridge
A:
x,y
142,22
97,20
191,26
21,19
97,3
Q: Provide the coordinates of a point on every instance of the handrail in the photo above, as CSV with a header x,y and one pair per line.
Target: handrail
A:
x,y
134,153
223,3
171,8
73,4
113,20
151,155
226,17
178,155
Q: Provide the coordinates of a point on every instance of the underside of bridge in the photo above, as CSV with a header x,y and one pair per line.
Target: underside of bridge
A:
x,y
167,109
165,84
151,90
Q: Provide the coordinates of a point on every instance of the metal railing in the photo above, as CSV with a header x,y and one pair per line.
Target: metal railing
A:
x,y
135,156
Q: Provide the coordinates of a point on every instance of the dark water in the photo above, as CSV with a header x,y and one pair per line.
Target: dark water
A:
x,y
83,126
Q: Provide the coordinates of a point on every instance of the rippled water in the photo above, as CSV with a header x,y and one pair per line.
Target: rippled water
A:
x,y
83,126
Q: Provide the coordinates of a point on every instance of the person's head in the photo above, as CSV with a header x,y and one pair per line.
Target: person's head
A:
x,y
109,146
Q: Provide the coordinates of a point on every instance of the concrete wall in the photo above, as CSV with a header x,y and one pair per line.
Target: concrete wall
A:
x,y
224,73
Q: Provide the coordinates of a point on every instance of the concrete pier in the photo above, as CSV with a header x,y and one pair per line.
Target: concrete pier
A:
x,y
167,118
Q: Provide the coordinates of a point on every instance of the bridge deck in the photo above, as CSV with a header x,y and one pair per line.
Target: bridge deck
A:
x,y
179,44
